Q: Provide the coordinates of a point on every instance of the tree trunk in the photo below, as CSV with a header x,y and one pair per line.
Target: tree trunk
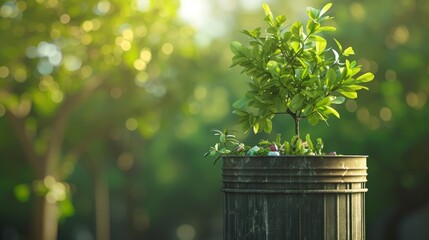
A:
x,y
45,219
102,216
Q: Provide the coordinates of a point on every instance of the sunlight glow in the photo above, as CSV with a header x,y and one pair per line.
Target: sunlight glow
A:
x,y
358,12
20,74
4,72
123,43
86,71
195,13
390,75
416,100
72,63
141,5
116,92
141,31
131,124
125,161
139,64
200,93
186,232
65,18
146,55
57,96
167,48
87,26
9,10
401,34
385,114
351,105
102,8
252,5
128,34
207,23
51,51
363,115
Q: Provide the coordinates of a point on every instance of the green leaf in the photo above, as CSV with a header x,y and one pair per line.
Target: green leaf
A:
x,y
266,125
241,114
309,142
300,73
256,32
307,110
273,30
320,45
217,132
357,87
332,111
230,137
296,28
237,60
348,94
280,20
273,68
331,77
325,18
348,51
319,146
366,77
354,71
337,99
256,128
246,32
245,124
326,29
339,45
296,46
268,47
236,47
312,26
324,102
317,38
296,102
325,9
279,104
267,11
241,103
222,138
224,151
314,118
313,13
337,56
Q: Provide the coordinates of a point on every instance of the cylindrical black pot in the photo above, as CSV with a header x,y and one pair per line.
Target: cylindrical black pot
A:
x,y
294,197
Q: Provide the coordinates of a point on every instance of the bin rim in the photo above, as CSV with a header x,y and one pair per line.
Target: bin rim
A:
x,y
297,156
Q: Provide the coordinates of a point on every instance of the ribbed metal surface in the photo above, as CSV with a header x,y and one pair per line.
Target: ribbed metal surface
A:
x,y
272,198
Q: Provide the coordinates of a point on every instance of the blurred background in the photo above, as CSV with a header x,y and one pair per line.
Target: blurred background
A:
x,y
106,109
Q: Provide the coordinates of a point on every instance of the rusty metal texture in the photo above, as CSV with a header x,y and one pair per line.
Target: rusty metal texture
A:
x,y
294,197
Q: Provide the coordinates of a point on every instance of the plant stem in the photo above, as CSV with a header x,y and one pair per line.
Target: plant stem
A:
x,y
296,120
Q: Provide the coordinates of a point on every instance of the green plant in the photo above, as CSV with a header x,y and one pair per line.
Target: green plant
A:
x,y
292,71
228,144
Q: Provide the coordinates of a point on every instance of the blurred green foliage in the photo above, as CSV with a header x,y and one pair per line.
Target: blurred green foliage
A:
x,y
124,93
